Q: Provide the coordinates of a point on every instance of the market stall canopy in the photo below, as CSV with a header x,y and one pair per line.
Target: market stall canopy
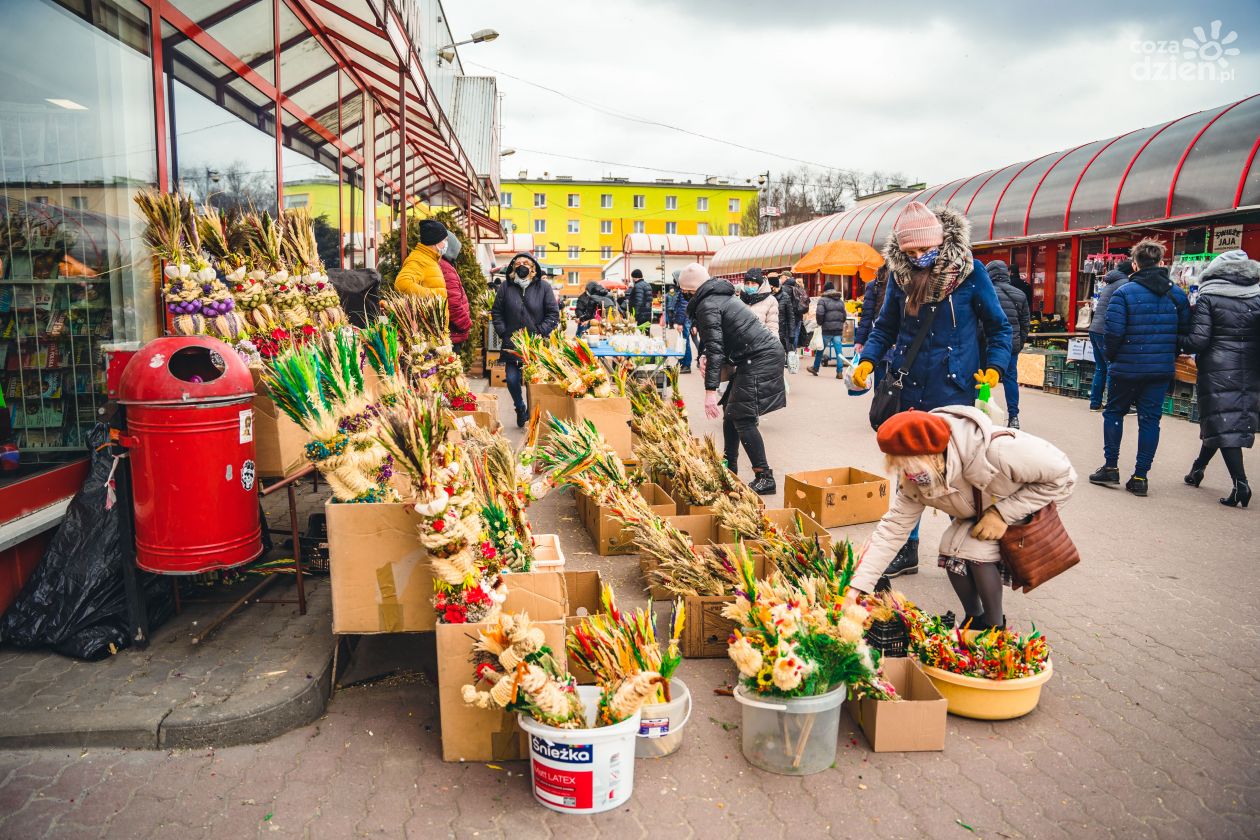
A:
x,y
613,285
841,257
672,244
1191,168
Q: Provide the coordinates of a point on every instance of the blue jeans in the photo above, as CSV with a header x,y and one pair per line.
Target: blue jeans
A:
x,y
1100,370
686,359
835,342
1148,396
512,373
1010,382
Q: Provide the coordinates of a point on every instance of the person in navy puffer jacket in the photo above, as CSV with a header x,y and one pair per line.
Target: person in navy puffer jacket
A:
x,y
1147,320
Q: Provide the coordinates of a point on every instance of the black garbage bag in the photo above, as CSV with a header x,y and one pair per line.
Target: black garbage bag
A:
x,y
360,293
75,601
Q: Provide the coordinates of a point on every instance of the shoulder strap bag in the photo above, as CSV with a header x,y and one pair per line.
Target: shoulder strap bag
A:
x,y
1037,549
887,399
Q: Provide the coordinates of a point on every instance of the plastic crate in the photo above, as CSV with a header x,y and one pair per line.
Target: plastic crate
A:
x,y
1054,378
1182,389
1181,407
1071,379
889,637
1168,405
1052,389
1056,361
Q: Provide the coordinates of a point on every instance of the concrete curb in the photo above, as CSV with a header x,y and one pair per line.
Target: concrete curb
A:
x,y
294,701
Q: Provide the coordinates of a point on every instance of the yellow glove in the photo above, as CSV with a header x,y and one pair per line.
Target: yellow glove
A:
x,y
988,377
991,526
860,373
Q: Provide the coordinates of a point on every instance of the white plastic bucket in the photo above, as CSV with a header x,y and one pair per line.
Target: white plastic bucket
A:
x,y
794,736
582,771
661,724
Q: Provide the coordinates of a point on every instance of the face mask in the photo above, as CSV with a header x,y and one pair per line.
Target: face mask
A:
x,y
927,259
751,290
522,272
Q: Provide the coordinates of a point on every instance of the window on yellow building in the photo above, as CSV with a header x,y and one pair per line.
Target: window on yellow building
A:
x,y
574,278
574,252
506,200
733,205
605,226
605,253
575,226
702,228
540,199
671,227
671,202
540,253
540,225
702,203
605,201
575,200
732,229
292,202
638,227
640,201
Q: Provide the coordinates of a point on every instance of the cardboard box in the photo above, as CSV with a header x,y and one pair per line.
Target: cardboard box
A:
x,y
547,553
379,573
583,590
547,400
706,632
610,536
611,416
1032,369
702,528
484,419
279,443
498,376
785,519
838,496
913,724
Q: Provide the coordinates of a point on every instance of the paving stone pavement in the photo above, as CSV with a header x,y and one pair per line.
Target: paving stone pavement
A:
x,y
1147,729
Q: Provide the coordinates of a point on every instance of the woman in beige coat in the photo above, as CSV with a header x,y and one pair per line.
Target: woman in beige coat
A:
x,y
756,293
941,458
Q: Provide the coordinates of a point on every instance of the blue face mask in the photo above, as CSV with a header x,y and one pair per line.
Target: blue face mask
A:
x,y
751,290
927,259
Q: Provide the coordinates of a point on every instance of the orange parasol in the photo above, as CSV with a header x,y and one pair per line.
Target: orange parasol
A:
x,y
613,285
842,256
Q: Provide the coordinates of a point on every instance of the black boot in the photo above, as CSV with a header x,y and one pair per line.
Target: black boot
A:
x,y
522,416
1136,485
1105,476
813,371
1239,496
763,483
1195,477
906,562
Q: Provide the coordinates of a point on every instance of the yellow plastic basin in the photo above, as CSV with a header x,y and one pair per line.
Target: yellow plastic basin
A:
x,y
973,697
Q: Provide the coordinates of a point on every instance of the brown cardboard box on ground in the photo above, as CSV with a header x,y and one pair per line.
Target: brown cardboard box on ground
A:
x,y
379,573
484,419
913,724
785,519
547,399
547,552
706,631
610,536
838,496
471,734
279,443
498,376
611,416
701,528
583,590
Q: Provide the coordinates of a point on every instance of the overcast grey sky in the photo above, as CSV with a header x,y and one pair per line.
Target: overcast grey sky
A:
x,y
935,90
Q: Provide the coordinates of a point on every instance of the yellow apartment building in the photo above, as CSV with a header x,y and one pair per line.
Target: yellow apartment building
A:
x,y
579,226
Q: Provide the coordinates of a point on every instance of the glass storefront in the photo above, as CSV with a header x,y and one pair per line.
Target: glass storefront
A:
x,y
76,144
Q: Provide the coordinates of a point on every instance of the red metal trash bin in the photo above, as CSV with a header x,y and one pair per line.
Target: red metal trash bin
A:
x,y
190,432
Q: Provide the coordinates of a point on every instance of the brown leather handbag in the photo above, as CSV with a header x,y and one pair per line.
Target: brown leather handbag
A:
x,y
1036,549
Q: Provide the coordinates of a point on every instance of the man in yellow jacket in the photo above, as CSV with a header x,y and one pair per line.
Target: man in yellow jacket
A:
x,y
420,273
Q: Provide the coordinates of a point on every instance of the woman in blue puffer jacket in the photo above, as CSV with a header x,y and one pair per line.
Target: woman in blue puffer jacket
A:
x,y
931,268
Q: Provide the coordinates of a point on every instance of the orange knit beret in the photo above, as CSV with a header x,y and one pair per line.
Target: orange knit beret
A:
x,y
913,433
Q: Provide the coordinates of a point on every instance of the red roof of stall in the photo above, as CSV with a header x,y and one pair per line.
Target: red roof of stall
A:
x,y
1202,164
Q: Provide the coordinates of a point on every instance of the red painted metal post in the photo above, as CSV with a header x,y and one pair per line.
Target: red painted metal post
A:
x,y
402,148
279,117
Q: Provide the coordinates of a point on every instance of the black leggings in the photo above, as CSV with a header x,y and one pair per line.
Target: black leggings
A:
x,y
980,591
745,431
1231,455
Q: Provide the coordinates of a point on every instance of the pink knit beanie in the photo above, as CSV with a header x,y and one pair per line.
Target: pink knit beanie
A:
x,y
692,277
918,227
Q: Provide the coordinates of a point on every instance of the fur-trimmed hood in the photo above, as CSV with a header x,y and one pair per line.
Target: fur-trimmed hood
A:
x,y
952,266
1239,272
529,260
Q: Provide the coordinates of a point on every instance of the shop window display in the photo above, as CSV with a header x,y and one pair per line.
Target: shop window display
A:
x,y
76,144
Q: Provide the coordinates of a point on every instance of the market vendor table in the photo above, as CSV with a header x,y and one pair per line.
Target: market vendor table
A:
x,y
653,363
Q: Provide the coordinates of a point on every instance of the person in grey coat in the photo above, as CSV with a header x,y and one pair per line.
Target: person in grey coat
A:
x,y
1018,313
1112,280
1225,336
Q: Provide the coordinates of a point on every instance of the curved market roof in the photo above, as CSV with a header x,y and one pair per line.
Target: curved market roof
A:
x,y
1198,165
672,243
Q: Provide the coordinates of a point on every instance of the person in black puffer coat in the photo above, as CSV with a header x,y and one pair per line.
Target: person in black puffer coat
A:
x,y
730,334
526,302
1018,313
1225,336
830,314
639,298
593,303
